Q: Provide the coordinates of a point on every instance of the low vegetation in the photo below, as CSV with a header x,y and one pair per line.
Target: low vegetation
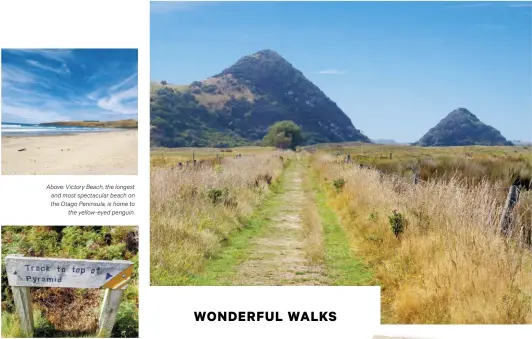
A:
x,y
171,157
67,312
435,247
196,209
128,123
472,164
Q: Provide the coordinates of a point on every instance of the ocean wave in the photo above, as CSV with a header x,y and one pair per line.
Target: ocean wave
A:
x,y
34,129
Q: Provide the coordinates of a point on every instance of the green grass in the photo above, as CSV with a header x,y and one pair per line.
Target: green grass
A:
x,y
343,266
219,271
41,328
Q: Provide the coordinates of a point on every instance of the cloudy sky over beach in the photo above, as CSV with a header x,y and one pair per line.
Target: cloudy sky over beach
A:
x,y
46,85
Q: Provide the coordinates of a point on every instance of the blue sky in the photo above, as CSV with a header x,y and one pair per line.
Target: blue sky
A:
x,y
47,85
396,69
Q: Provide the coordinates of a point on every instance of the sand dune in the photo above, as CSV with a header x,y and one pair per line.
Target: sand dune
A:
x,y
87,153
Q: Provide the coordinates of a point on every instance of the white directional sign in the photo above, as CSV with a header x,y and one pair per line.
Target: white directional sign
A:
x,y
57,272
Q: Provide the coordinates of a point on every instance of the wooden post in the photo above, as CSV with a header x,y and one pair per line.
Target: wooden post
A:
x,y
110,305
22,299
511,200
193,156
390,155
415,178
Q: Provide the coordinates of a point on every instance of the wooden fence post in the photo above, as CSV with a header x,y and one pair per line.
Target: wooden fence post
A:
x,y
415,178
511,200
110,305
390,155
22,299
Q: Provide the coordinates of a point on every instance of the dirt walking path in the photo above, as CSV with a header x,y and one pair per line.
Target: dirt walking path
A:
x,y
278,256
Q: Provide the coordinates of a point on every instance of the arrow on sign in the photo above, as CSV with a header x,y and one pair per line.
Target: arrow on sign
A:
x,y
107,276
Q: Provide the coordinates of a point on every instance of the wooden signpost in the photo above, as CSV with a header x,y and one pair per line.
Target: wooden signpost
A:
x,y
25,272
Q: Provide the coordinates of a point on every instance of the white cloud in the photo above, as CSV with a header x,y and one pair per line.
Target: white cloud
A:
x,y
118,102
331,71
23,98
62,70
123,83
54,54
14,75
30,114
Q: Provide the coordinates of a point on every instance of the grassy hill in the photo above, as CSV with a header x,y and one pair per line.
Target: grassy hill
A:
x,y
236,107
128,123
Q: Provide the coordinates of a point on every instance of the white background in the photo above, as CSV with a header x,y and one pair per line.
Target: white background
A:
x,y
28,193
82,24
167,312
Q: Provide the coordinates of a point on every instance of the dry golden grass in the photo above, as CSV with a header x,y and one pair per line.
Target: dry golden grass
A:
x,y
451,265
69,309
169,157
472,163
194,210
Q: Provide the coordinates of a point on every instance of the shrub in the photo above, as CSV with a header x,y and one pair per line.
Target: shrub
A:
x,y
267,178
339,184
215,195
127,322
397,223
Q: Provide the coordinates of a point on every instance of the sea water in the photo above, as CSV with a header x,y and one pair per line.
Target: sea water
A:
x,y
35,129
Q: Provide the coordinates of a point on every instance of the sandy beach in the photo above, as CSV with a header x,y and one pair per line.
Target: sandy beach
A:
x,y
87,153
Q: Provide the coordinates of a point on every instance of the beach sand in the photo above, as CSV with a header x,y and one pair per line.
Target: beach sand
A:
x,y
86,153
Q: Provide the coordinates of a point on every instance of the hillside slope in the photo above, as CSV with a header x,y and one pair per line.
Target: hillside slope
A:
x,y
128,123
462,128
238,105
